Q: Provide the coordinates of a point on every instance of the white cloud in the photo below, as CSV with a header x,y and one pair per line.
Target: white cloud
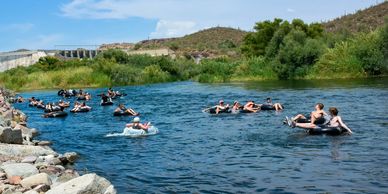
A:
x,y
18,27
290,10
167,29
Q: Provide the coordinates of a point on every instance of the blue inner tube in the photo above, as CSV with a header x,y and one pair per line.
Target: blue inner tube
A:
x,y
325,130
106,103
57,114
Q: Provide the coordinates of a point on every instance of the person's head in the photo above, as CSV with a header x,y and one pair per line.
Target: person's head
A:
x,y
83,104
33,98
319,106
221,102
136,120
269,100
333,111
60,101
121,105
235,103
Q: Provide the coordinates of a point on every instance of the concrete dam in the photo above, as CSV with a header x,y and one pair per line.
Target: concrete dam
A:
x,y
10,60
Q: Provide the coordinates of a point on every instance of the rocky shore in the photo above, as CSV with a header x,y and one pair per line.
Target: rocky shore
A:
x,y
30,166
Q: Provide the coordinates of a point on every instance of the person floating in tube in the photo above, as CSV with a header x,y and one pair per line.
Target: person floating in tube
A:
x,y
137,125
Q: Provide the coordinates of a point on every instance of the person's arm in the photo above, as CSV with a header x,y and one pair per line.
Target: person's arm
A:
x,y
342,124
129,125
144,127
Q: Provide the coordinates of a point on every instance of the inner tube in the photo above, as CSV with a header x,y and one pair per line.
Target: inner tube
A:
x,y
41,106
118,114
319,121
53,110
57,114
82,110
214,109
81,98
325,130
60,92
106,103
130,132
267,107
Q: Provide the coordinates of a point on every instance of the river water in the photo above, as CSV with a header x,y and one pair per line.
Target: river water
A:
x,y
246,153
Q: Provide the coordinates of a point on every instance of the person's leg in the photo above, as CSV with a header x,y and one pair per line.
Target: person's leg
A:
x,y
299,116
305,125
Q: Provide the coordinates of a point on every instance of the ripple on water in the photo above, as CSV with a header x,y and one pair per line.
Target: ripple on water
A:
x,y
247,153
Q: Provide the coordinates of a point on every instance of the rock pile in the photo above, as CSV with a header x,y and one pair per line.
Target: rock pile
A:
x,y
30,166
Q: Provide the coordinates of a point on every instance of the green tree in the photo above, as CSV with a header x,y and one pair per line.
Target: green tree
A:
x,y
255,43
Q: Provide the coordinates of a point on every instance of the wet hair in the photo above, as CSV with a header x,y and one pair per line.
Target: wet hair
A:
x,y
269,99
320,106
333,111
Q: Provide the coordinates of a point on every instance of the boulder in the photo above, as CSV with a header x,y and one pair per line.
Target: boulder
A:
x,y
45,143
15,180
71,156
4,122
51,170
89,183
23,170
29,159
24,150
9,135
34,180
31,192
42,188
67,176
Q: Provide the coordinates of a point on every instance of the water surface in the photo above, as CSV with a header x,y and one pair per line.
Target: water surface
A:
x,y
246,153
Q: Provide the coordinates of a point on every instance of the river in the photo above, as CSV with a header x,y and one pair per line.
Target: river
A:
x,y
245,153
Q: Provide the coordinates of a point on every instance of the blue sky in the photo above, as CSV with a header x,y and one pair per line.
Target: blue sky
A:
x,y
42,24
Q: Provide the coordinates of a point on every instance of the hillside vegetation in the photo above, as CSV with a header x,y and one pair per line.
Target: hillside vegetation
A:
x,y
362,21
219,40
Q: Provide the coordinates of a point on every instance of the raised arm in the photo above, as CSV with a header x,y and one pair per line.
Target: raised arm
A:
x,y
342,124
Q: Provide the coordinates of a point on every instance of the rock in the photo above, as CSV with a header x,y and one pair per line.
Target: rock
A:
x,y
24,150
51,170
89,183
110,190
4,122
9,135
8,114
42,188
15,180
71,156
35,180
19,169
31,192
3,175
29,159
45,143
67,176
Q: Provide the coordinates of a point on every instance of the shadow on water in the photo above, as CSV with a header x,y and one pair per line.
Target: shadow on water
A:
x,y
245,153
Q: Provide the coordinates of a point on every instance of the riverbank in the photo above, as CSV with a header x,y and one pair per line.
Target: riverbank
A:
x,y
31,166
